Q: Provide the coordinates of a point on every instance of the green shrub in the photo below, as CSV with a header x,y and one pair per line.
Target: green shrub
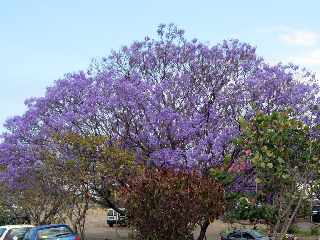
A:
x,y
7,219
294,229
315,231
245,210
305,209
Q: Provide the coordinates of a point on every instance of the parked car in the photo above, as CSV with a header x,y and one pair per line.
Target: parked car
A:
x,y
244,234
52,232
114,217
316,214
14,232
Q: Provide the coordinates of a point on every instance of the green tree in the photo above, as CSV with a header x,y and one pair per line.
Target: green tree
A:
x,y
95,165
74,171
284,153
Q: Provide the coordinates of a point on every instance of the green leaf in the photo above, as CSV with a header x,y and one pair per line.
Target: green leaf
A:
x,y
269,153
280,160
285,176
269,165
258,180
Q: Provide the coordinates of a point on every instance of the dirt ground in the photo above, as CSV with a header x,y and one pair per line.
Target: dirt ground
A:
x,y
97,229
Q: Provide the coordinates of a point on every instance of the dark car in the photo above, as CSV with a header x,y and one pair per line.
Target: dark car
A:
x,y
51,232
316,214
244,235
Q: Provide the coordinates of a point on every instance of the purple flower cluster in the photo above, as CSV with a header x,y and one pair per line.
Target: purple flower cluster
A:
x,y
174,101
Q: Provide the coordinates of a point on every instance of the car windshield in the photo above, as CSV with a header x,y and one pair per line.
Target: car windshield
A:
x,y
17,233
316,208
110,213
256,234
2,230
54,232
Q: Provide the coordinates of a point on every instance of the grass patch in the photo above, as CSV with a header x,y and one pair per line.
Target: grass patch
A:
x,y
314,231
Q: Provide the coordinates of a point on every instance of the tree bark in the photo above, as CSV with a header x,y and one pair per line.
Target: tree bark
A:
x,y
283,214
203,229
289,221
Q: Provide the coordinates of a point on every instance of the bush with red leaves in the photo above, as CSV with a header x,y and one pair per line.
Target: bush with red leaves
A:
x,y
166,204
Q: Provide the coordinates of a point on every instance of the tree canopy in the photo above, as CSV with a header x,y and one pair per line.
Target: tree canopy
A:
x,y
172,101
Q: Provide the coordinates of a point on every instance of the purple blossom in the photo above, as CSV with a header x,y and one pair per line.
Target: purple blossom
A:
x,y
172,100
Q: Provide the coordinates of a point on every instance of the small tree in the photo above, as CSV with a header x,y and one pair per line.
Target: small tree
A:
x,y
40,201
97,166
168,204
285,157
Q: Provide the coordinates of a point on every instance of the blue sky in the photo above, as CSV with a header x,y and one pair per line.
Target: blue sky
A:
x,y
42,40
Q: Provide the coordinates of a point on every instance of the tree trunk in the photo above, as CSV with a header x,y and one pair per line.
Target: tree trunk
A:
x,y
203,229
278,223
283,214
289,221
82,220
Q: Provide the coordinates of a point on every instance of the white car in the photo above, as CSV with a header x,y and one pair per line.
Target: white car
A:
x,y
115,218
13,232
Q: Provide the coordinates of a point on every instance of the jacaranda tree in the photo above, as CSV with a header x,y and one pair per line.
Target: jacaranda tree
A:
x,y
173,102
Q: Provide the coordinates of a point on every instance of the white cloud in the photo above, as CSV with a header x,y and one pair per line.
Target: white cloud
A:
x,y
309,58
294,36
304,47
299,37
